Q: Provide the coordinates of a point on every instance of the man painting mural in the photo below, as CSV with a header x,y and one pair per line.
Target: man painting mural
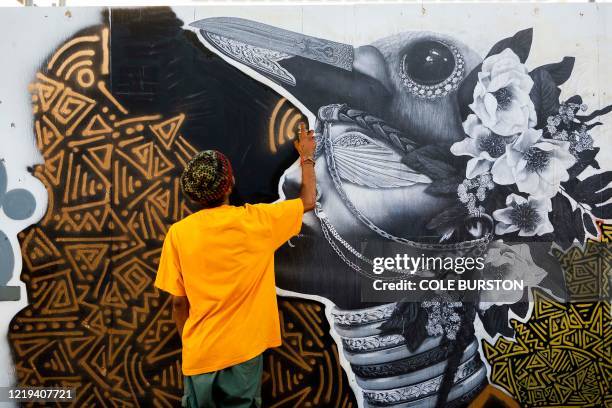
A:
x,y
218,265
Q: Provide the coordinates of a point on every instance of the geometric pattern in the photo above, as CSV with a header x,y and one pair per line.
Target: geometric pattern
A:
x,y
305,371
94,319
588,270
560,357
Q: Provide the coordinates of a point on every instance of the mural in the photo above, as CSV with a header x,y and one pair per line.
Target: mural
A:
x,y
392,180
95,321
419,148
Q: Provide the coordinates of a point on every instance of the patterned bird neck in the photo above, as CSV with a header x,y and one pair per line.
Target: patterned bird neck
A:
x,y
327,115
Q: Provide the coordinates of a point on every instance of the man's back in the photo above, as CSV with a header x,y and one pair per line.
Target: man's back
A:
x,y
222,259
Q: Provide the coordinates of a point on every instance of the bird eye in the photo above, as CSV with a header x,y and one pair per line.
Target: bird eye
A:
x,y
431,68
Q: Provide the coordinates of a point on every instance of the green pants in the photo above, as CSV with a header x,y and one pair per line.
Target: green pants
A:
x,y
238,386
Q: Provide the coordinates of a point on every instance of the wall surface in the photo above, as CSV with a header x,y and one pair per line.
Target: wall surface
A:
x,y
101,108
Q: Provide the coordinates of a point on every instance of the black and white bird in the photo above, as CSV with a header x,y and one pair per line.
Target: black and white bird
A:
x,y
408,82
408,79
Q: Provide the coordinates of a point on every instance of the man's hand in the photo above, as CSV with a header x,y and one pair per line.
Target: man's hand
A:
x,y
306,146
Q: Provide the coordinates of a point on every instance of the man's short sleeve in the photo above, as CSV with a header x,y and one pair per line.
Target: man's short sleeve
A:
x,y
169,277
285,218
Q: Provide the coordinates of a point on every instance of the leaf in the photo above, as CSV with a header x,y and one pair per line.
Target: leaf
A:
x,y
520,308
604,195
449,217
405,313
444,186
604,212
560,71
593,125
578,225
495,320
465,93
585,159
589,224
545,95
416,333
577,99
594,114
409,320
586,190
426,160
520,43
437,152
565,231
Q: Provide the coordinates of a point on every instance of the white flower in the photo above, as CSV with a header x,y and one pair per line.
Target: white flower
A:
x,y
528,216
536,165
509,262
481,144
501,96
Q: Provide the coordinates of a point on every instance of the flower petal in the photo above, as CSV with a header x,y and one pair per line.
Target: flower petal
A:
x,y
527,139
490,104
540,203
546,146
498,81
528,182
502,172
466,147
545,227
525,233
501,228
504,215
477,166
515,198
470,123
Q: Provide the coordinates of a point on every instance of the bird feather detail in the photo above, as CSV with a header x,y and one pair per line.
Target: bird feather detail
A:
x,y
363,161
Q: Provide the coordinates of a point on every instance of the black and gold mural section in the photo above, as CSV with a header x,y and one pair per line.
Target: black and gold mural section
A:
x,y
94,321
562,356
117,113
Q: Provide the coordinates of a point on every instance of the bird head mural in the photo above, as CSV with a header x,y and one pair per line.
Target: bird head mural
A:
x,y
395,121
407,79
374,105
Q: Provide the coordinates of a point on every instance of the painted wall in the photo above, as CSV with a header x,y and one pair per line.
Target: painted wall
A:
x,y
99,115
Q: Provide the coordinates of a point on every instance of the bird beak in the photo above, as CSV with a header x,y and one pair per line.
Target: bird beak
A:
x,y
271,42
295,59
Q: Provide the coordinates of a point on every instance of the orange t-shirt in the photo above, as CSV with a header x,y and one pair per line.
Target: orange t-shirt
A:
x,y
222,259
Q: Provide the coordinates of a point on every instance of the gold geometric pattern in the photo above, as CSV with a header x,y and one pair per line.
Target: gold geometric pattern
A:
x,y
588,270
305,371
561,356
95,321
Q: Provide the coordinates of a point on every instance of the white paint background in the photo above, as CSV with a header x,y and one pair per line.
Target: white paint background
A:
x,y
30,34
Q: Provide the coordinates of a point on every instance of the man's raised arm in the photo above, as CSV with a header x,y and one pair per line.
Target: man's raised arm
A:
x,y
306,146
